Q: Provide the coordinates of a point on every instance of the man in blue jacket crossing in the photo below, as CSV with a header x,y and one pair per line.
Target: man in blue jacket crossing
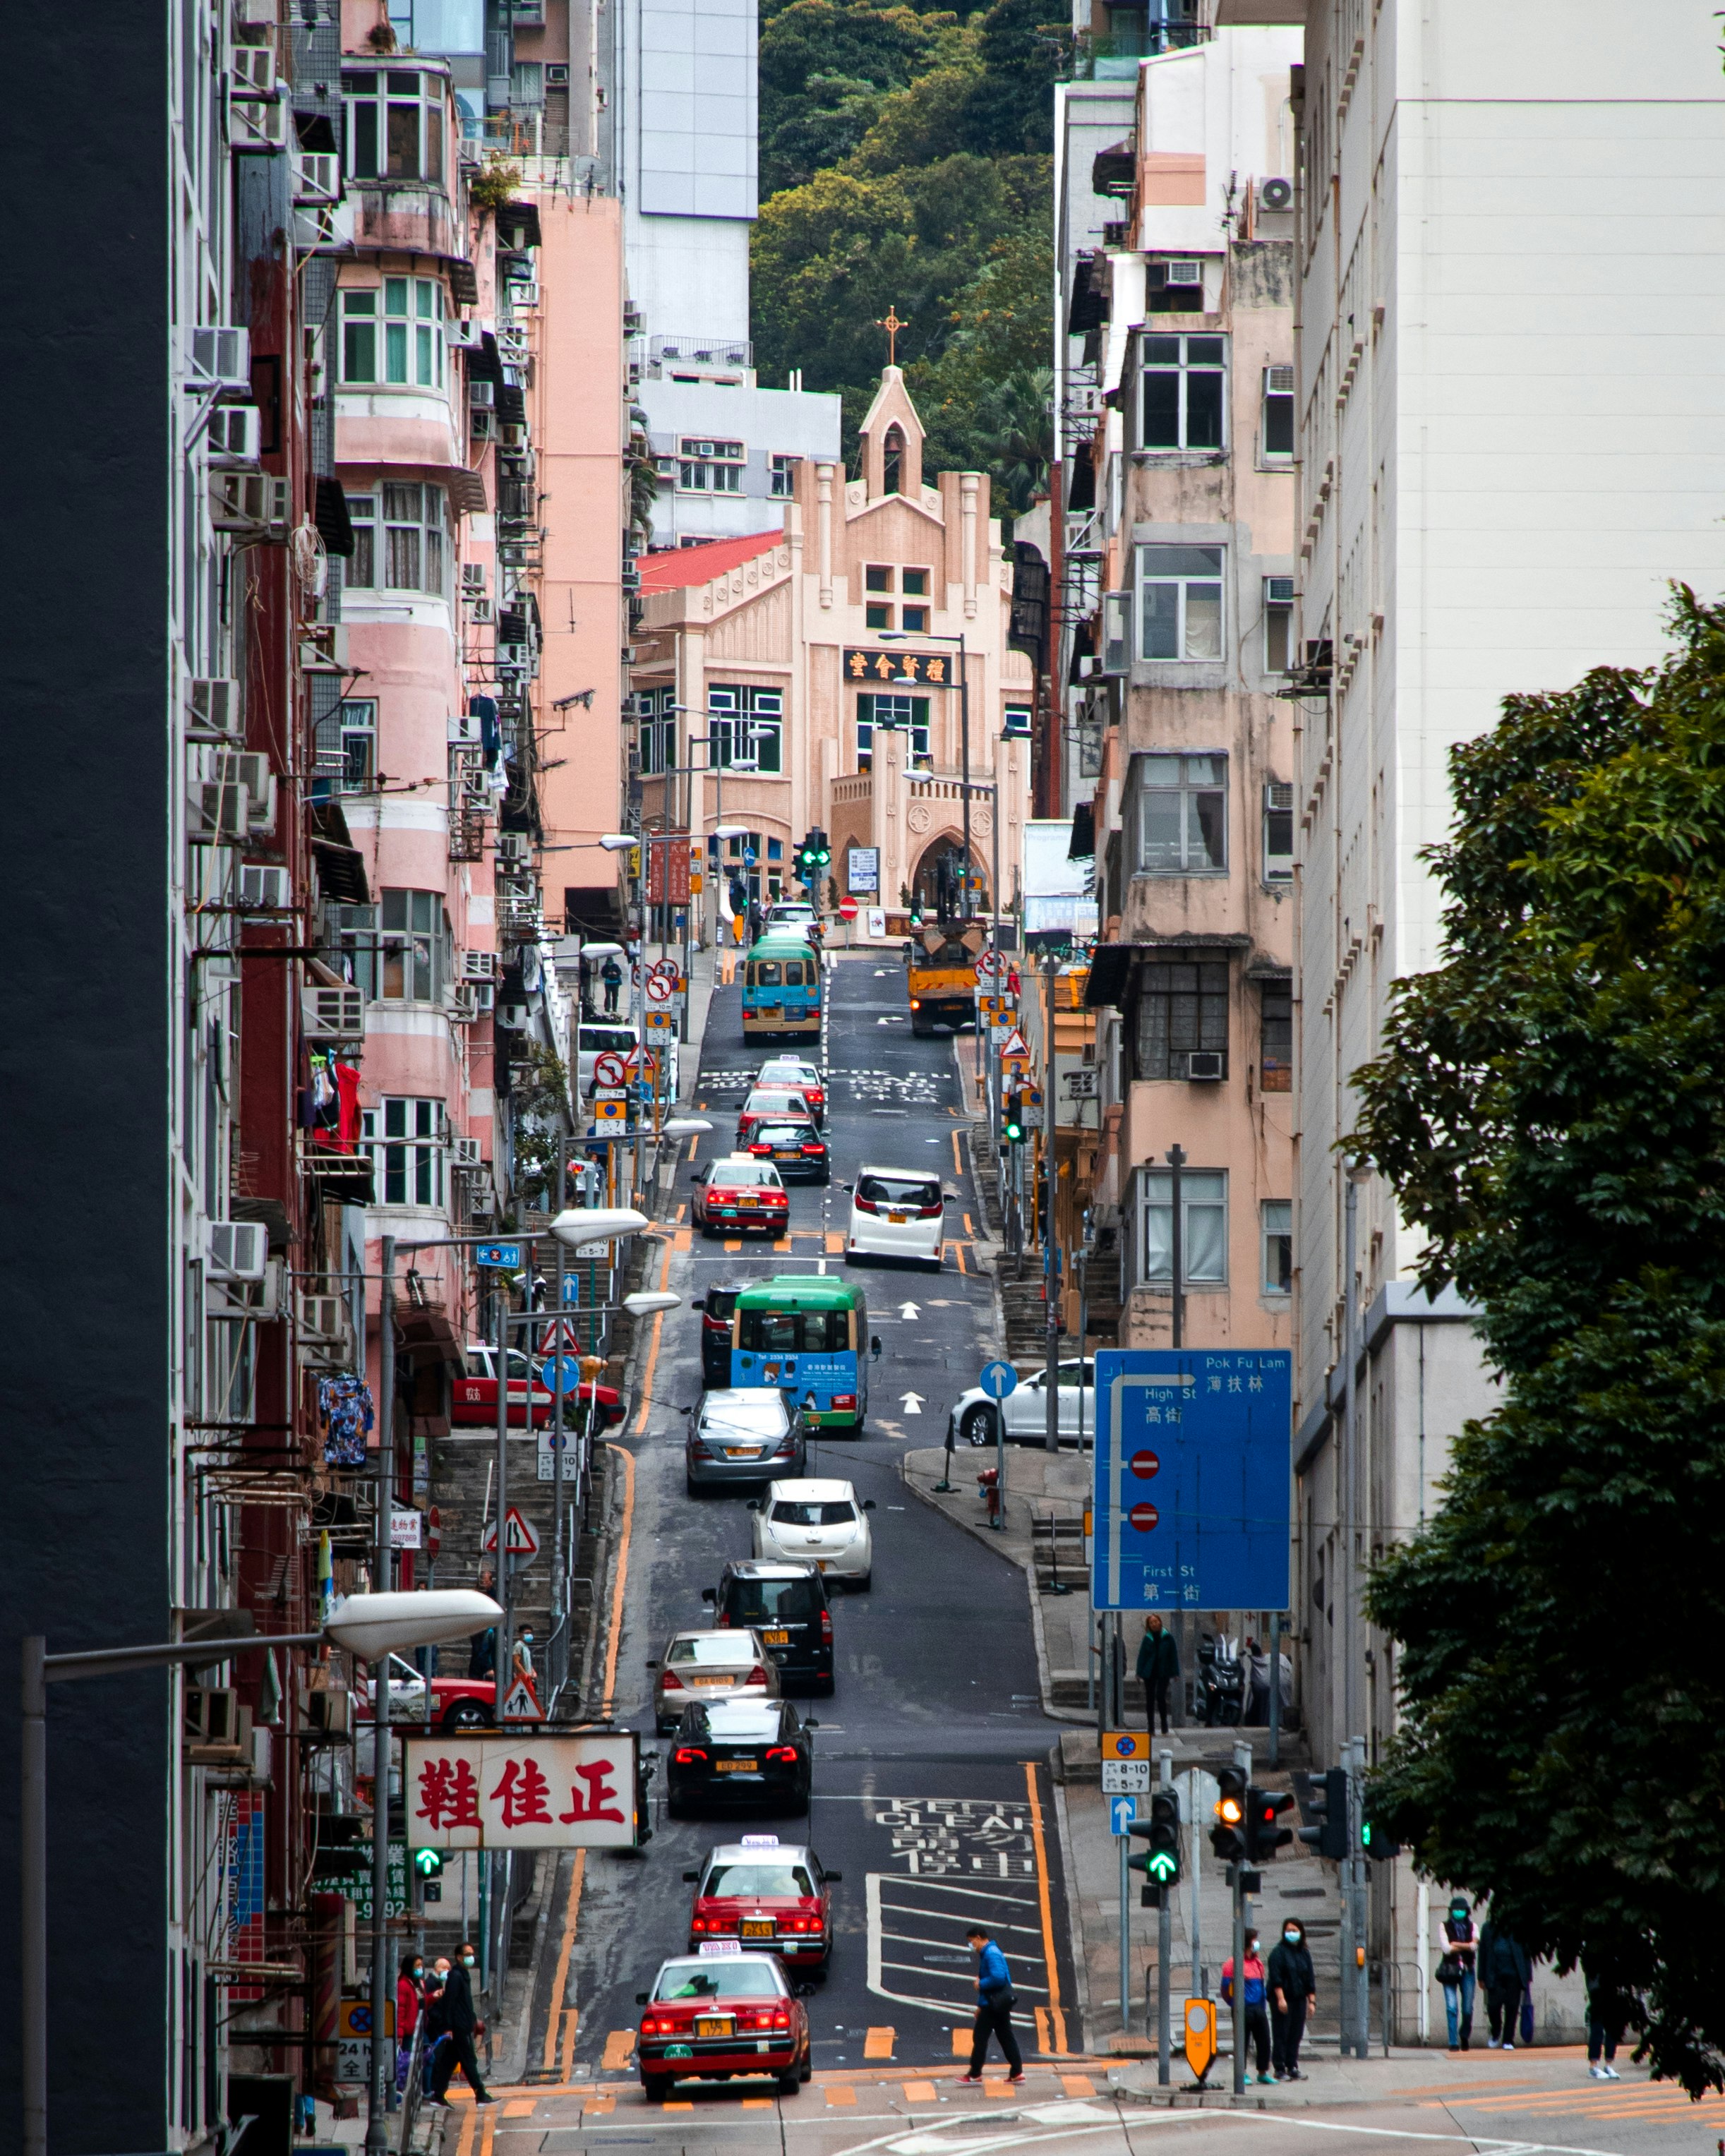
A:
x,y
993,2008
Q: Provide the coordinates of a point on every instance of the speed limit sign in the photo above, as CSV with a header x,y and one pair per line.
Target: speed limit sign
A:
x,y
609,1068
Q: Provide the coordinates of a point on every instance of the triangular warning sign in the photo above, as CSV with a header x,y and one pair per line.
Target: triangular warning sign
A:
x,y
521,1702
1016,1044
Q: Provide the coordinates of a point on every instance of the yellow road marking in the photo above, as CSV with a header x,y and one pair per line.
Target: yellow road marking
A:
x,y
464,2146
841,2095
681,1210
618,2045
570,2019
1045,1902
693,1143
522,2107
958,1253
1078,2085
1041,2014
920,2092
600,2103
781,1242
878,2044
488,2131
835,1240
969,1227
680,2107
646,1375
757,2103
960,2043
958,1165
560,1982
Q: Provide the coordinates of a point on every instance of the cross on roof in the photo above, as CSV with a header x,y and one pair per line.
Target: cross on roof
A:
x,y
891,323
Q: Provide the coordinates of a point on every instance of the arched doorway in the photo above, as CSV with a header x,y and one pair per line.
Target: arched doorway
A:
x,y
937,886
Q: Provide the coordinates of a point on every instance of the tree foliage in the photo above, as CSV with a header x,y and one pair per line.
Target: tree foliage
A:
x,y
1550,1107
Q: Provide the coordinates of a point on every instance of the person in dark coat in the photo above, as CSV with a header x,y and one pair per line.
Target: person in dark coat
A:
x,y
1506,1973
482,1648
465,2025
1158,1669
433,2014
1293,1996
1607,2010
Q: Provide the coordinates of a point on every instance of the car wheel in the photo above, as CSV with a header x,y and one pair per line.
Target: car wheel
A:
x,y
861,1586
466,1714
791,2084
934,1265
978,1426
691,1487
807,2068
655,2087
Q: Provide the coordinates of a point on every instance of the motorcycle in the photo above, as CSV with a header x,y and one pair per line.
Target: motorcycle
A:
x,y
1221,1685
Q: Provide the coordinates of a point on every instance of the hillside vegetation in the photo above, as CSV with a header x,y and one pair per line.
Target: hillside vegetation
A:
x,y
905,163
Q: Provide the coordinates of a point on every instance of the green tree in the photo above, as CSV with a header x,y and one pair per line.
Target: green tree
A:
x,y
824,66
1022,55
1550,1108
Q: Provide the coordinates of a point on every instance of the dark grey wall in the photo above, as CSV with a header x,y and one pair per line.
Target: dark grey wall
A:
x,y
83,1168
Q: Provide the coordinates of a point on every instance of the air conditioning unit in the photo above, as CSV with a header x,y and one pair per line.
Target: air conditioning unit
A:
x,y
222,358
513,847
212,1714
481,613
253,127
253,71
473,579
479,427
1275,194
331,1712
464,729
235,435
512,1016
317,178
512,340
323,1316
556,75
463,1009
464,1153
1278,591
252,505
265,890
216,813
482,392
246,767
240,1249
333,1014
212,707
1278,381
479,965
1185,273
631,578
1203,1065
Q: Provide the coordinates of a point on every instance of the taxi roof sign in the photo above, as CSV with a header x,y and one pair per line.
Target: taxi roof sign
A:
x,y
709,1949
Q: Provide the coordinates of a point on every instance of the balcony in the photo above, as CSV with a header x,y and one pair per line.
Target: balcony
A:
x,y
1113,56
404,217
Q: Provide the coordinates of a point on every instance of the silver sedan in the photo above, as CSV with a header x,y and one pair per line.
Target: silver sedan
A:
x,y
744,1433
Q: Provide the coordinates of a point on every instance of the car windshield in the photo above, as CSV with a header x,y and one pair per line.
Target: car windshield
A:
x,y
721,1301
795,1331
908,1193
723,1648
595,1039
756,1881
718,1979
773,1601
803,1080
813,1511
788,1134
746,1175
764,1416
771,1101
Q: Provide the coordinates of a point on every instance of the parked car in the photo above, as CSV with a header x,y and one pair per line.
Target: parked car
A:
x,y
719,2015
739,1752
801,1077
1024,1412
819,1522
738,1194
766,1893
771,1104
456,1702
746,1434
787,1605
897,1212
795,1149
709,1665
473,1396
717,1307
616,1036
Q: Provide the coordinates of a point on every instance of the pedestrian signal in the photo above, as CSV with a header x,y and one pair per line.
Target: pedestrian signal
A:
x,y
1328,1834
1160,1863
1263,1836
1227,1835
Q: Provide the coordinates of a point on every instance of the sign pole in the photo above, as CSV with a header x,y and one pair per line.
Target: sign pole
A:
x,y
377,2113
1051,1244
1243,1760
1164,1951
559,1657
1125,1942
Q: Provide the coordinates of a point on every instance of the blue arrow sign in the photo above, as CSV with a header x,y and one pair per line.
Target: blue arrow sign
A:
x,y
508,1256
1122,1811
572,1289
561,1375
998,1379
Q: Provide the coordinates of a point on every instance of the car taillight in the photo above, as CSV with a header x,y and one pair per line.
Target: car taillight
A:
x,y
722,1623
783,1753
814,1148
756,1675
685,1755
930,1212
916,1002
653,2026
844,1399
826,1626
865,1205
782,2018
673,1682
760,1149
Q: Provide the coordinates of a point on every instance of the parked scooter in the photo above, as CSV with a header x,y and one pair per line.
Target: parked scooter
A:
x,y
1221,1685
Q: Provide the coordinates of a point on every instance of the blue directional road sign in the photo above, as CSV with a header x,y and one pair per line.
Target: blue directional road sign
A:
x,y
510,1256
998,1379
1192,1479
561,1373
1121,1812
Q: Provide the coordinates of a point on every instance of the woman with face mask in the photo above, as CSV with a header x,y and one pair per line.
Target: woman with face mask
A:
x,y
1456,1972
1293,1994
410,1997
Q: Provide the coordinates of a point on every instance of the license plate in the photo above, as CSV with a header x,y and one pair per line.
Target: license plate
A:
x,y
787,1152
736,1766
777,1639
749,1204
897,1219
726,1679
824,1564
713,2025
742,1452
757,1931
679,2051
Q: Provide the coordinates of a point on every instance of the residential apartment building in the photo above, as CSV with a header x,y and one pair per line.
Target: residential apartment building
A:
x,y
827,676
1183,500
1477,190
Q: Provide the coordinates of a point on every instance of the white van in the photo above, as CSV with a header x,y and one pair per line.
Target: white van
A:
x,y
598,1037
897,1212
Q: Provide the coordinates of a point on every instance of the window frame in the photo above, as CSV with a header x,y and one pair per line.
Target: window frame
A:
x,y
356,720
658,735
1203,1190
1278,803
378,520
1190,791
1154,568
1277,394
398,1154
1207,1019
384,942
782,475
1276,1226
401,323
1276,1070
708,465
379,91
747,723
921,754
1183,369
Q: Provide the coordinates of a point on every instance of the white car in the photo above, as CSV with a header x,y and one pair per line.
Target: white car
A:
x,y
800,1076
1024,1411
816,1522
897,1212
793,914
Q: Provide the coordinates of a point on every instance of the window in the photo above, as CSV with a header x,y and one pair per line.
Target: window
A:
x,y
402,954
659,730
527,82
877,617
413,551
1182,398
1278,1273
1278,435
746,725
1275,1037
877,579
1278,834
1016,725
1204,1227
358,718
709,467
1181,1010
900,713
783,475
394,335
362,567
1278,624
406,1138
395,124
1179,602
916,620
1182,815
916,584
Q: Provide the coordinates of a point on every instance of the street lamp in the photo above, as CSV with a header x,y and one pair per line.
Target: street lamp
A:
x,y
371,1627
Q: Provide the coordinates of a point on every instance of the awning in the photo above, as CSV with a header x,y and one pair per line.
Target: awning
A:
x,y
1115,171
342,871
464,280
425,1333
518,225
1111,964
467,491
330,515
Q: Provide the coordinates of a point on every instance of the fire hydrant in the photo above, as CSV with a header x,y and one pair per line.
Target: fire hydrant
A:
x,y
989,1482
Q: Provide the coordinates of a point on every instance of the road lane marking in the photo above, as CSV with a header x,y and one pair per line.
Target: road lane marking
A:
x,y
570,2021
960,2043
1078,2085
878,2044
1039,1841
619,2045
958,1165
841,2094
599,2104
522,2107
652,1363
921,2092
835,1241
464,2146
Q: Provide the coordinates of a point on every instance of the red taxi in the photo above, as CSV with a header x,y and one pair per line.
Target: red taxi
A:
x,y
739,1193
723,2014
765,1892
804,1078
473,1396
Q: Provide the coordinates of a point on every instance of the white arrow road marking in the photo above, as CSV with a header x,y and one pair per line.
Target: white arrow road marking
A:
x,y
912,1404
894,1020
909,1310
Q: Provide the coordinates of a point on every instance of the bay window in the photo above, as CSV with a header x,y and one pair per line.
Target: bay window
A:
x,y
405,1137
1182,814
395,124
1204,1227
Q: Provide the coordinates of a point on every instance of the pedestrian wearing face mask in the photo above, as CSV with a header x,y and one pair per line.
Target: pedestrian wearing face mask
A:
x,y
1293,1994
465,2025
1456,1973
408,2000
1256,2022
434,2018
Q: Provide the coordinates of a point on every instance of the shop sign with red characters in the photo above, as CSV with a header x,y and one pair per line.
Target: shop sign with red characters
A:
x,y
486,1792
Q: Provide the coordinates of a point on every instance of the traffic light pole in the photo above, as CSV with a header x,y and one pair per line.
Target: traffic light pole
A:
x,y
1164,1952
1359,2015
1126,1960
1243,1760
381,2078
1051,1246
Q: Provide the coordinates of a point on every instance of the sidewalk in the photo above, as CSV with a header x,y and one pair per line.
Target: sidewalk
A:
x,y
1424,2077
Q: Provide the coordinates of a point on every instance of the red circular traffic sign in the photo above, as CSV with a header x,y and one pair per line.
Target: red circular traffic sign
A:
x,y
847,909
1143,1517
434,1531
660,988
609,1068
1144,1464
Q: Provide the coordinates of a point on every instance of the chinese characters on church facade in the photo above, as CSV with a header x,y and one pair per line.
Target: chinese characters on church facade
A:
x,y
521,1792
927,670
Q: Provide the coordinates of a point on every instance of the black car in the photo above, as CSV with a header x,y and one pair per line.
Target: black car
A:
x,y
787,1605
739,1752
794,1148
717,1307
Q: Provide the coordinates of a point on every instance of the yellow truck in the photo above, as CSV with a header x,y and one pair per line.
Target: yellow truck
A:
x,y
940,973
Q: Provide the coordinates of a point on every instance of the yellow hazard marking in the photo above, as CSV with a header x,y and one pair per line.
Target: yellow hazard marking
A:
x,y
920,2092
841,2094
960,2043
878,2044
619,2045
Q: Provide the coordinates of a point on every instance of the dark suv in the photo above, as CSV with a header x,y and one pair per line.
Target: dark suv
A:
x,y
786,1605
717,1307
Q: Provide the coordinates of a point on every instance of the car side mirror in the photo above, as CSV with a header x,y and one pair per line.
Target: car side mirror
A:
x,y
640,1999
709,1594
699,1303
754,1505
690,1878
832,1878
847,1185
653,1665
809,1722
874,1348
807,1990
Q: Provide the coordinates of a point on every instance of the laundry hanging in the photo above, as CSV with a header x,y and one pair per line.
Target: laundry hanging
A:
x,y
345,1411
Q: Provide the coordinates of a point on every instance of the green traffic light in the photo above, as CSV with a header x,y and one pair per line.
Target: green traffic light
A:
x,y
1162,1865
428,1863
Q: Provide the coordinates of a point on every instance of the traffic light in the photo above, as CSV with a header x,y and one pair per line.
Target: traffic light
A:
x,y
822,852
1160,1863
1228,1836
1375,1841
1329,1836
428,1863
1263,1836
1012,1119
